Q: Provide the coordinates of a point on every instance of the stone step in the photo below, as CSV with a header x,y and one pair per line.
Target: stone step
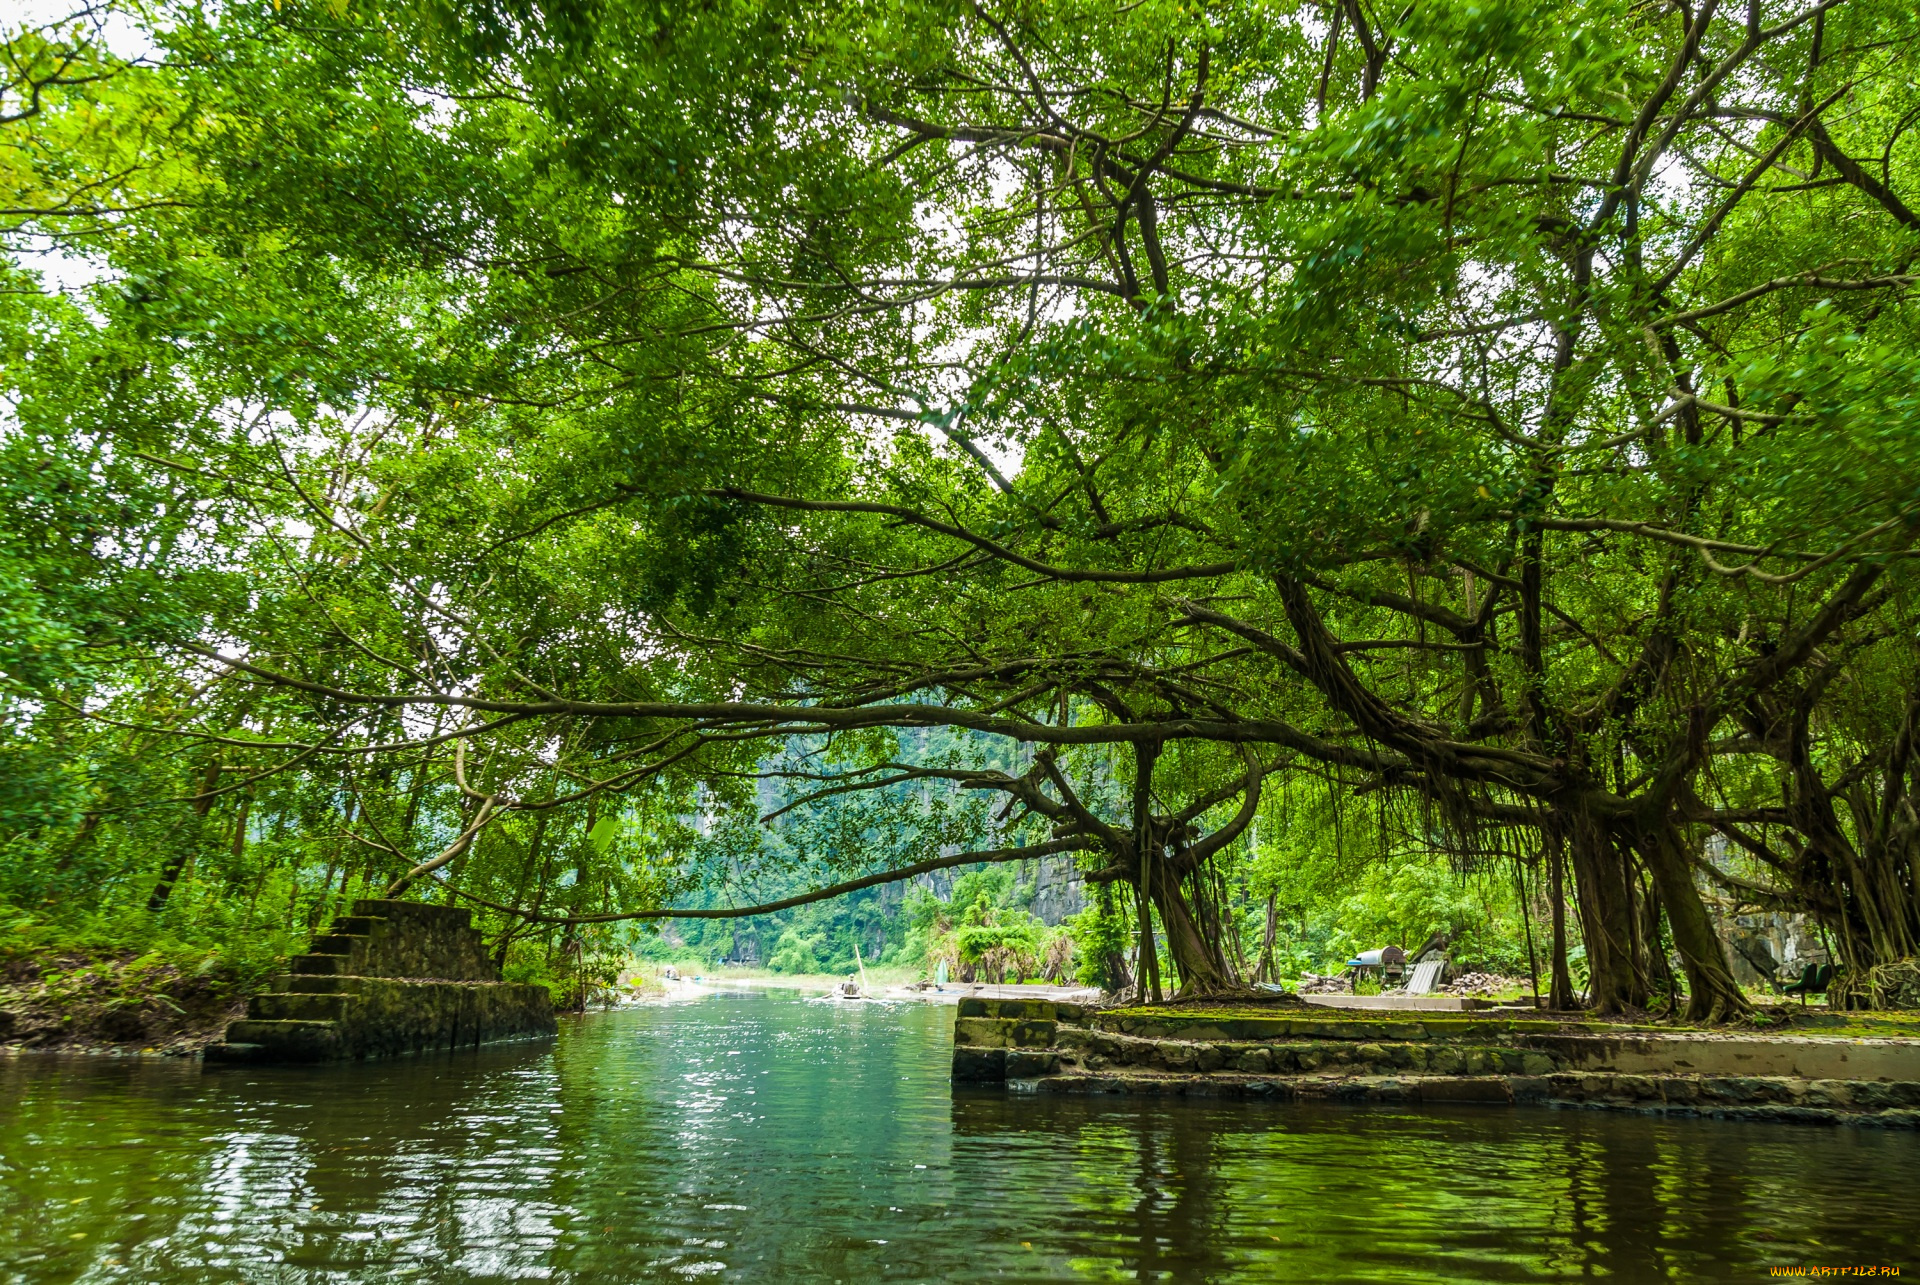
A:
x,y
340,944
413,912
391,978
358,950
319,983
300,1006
999,1039
1030,1046
1778,1098
1493,1090
1434,1028
1098,1050
1287,1022
288,1040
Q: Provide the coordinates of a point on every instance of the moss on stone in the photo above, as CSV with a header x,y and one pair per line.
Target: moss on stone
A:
x,y
394,977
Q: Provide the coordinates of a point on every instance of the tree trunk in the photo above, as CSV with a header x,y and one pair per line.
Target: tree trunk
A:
x,y
1560,994
1203,969
1526,923
1145,843
1606,919
169,875
1116,979
176,865
1264,970
1712,994
1659,970
1630,893
534,846
239,848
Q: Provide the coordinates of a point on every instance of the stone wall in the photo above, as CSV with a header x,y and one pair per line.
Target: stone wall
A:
x,y
393,977
1059,889
1763,948
1770,947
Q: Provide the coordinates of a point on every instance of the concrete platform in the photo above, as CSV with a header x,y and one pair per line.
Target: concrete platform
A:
x,y
1366,1054
1405,1003
1800,1057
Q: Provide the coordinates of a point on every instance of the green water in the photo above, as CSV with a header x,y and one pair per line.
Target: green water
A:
x,y
765,1138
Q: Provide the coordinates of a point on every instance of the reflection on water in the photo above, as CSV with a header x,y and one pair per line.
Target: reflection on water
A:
x,y
762,1138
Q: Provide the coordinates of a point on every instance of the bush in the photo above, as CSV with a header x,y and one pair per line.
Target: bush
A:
x,y
1099,936
794,953
999,941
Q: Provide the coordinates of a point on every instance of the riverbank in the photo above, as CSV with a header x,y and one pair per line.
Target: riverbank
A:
x,y
927,992
649,980
890,984
119,1002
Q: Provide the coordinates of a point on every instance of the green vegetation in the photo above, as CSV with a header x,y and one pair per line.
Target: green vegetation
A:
x,y
1333,475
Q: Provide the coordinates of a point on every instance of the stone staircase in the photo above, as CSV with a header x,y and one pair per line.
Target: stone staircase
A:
x,y
393,977
1497,1058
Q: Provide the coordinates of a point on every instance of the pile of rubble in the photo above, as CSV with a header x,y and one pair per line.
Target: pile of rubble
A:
x,y
1483,984
1315,984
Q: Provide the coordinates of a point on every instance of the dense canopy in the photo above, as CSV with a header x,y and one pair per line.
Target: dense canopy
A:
x,y
746,452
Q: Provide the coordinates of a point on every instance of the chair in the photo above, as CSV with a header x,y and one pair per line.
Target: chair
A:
x,y
1814,980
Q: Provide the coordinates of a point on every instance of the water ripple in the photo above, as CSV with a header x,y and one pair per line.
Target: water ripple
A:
x,y
759,1138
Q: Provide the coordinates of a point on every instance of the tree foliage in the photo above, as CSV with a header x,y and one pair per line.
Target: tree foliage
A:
x,y
992,431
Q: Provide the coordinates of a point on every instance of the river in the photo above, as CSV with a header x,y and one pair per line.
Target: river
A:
x,y
762,1137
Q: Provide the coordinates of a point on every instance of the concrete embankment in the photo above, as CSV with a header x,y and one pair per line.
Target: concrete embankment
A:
x,y
394,977
1029,1046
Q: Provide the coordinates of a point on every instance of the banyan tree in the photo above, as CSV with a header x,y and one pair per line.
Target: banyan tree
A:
x,y
1504,408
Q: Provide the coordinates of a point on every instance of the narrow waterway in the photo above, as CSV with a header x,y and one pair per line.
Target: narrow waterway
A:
x,y
765,1138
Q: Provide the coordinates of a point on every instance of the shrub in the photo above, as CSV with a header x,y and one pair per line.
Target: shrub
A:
x,y
794,953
